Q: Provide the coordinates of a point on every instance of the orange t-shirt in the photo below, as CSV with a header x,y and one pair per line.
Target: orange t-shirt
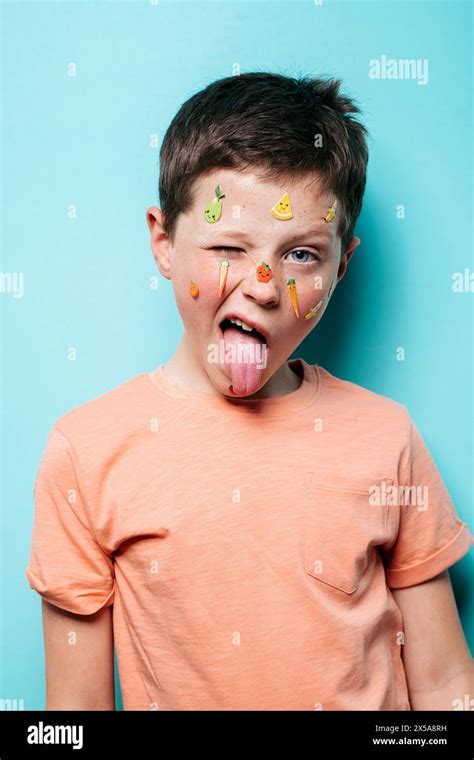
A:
x,y
248,546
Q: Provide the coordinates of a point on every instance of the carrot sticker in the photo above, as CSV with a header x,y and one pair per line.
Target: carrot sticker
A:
x,y
312,312
193,289
223,276
331,213
293,297
264,273
282,210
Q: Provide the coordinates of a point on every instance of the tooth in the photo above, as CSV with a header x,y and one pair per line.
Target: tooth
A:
x,y
241,324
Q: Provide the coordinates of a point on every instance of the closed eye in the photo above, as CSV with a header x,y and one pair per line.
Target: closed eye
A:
x,y
223,248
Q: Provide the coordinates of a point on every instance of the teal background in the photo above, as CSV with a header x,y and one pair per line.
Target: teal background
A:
x,y
87,141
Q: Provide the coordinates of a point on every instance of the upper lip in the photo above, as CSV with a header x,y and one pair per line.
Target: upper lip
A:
x,y
248,321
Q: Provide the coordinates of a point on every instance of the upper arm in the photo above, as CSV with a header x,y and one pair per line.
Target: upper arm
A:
x,y
435,649
75,577
79,654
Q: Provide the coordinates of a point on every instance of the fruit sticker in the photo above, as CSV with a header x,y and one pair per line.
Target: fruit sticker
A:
x,y
312,312
213,210
264,273
223,276
193,289
293,297
331,213
282,209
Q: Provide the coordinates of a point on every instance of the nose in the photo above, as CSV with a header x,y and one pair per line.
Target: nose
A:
x,y
265,293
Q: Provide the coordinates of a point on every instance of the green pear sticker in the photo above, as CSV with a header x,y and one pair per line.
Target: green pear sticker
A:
x,y
213,210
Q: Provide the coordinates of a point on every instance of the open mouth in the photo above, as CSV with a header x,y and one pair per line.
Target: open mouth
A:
x,y
246,330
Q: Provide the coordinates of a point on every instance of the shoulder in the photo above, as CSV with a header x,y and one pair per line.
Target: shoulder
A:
x,y
358,396
370,414
109,416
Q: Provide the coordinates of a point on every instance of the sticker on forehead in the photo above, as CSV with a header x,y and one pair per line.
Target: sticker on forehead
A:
x,y
293,297
331,212
213,210
223,276
264,273
282,210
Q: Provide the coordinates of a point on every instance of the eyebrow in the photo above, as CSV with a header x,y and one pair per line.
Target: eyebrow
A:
x,y
320,231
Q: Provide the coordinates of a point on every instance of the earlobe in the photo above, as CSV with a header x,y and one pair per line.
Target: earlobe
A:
x,y
163,263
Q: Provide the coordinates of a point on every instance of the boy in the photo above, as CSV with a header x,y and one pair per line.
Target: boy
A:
x,y
253,533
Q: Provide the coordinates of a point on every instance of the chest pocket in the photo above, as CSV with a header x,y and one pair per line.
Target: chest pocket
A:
x,y
343,528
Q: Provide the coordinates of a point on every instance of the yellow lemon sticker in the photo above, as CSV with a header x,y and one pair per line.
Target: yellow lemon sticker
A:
x,y
282,210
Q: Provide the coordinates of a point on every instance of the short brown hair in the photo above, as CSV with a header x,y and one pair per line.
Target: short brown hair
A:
x,y
270,122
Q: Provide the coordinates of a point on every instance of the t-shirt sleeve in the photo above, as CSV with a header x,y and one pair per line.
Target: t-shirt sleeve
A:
x,y
431,536
67,567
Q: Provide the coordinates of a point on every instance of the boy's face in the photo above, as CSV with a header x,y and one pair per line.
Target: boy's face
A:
x,y
305,249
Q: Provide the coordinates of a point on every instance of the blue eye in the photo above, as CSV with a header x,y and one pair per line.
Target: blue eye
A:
x,y
304,251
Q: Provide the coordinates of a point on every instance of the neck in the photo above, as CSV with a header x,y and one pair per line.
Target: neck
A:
x,y
185,369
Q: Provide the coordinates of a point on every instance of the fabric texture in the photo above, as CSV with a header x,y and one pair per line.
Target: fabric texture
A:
x,y
248,547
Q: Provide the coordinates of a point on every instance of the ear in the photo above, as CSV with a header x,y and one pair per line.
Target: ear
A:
x,y
161,245
345,257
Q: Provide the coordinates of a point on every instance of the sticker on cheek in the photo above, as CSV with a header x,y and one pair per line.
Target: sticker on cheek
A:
x,y
213,210
264,273
312,312
193,289
223,276
293,297
331,212
282,210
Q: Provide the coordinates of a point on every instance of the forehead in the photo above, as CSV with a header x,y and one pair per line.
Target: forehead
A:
x,y
251,188
248,200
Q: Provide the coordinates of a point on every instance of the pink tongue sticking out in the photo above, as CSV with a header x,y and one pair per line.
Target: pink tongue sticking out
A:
x,y
244,351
